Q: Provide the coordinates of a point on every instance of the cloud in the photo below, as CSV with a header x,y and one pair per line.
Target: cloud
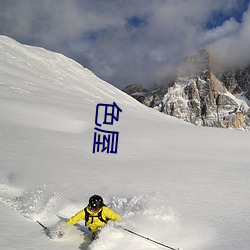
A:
x,y
233,49
121,41
228,28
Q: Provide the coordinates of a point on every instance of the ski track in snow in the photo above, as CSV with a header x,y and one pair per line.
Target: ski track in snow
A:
x,y
144,214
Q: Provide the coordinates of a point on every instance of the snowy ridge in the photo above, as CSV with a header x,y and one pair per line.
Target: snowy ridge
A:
x,y
40,73
179,184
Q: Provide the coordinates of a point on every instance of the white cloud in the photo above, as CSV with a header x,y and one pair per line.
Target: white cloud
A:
x,y
97,32
228,28
233,50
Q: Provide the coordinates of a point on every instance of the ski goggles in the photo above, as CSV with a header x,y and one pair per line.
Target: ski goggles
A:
x,y
94,208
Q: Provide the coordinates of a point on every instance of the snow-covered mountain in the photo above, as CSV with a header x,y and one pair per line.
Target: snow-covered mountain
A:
x,y
201,96
183,185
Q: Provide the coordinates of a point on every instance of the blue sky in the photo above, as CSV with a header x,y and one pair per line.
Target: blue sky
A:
x,y
218,17
131,41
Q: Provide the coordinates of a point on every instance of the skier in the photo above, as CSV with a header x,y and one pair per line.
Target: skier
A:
x,y
95,214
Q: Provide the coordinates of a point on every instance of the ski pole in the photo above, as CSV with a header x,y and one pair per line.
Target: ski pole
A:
x,y
146,238
45,228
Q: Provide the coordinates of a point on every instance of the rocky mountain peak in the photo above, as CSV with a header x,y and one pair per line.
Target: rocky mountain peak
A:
x,y
196,64
200,96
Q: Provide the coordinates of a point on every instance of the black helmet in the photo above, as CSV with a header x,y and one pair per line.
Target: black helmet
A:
x,y
95,202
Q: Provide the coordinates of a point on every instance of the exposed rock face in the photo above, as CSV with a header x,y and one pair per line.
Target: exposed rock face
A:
x,y
237,81
137,91
199,97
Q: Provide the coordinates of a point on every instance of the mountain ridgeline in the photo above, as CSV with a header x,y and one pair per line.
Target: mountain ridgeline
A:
x,y
201,95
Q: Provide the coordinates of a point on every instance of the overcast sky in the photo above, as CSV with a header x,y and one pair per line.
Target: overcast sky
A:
x,y
131,41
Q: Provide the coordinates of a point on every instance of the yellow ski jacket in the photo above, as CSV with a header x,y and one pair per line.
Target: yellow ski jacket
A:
x,y
94,223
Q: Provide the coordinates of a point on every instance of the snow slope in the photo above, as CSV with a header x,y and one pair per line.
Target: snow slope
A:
x,y
176,183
